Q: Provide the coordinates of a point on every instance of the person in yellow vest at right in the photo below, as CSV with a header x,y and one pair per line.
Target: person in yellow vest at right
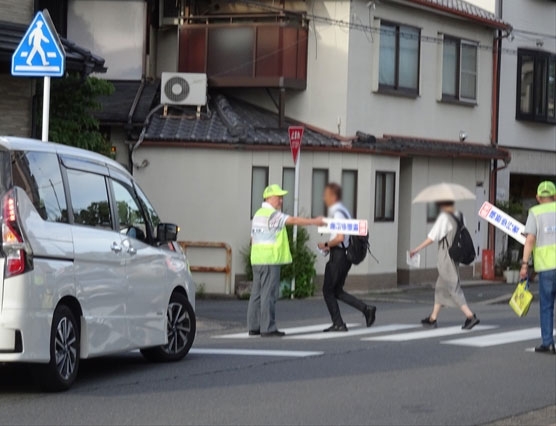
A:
x,y
541,242
270,249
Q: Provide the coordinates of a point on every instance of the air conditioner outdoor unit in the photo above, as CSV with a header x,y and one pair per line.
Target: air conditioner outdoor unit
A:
x,y
171,12
183,89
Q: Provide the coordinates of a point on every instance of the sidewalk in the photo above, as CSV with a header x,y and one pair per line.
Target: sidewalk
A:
x,y
476,292
543,417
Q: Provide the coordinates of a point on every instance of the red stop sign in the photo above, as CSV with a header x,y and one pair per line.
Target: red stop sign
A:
x,y
296,135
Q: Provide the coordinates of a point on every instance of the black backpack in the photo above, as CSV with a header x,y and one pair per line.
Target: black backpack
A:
x,y
358,247
462,249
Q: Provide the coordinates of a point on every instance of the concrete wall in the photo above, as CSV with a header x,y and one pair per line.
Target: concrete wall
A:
x,y
537,16
20,11
16,100
16,94
423,116
212,203
113,29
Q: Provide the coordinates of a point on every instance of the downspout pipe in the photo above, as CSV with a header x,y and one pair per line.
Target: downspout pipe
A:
x,y
495,119
140,140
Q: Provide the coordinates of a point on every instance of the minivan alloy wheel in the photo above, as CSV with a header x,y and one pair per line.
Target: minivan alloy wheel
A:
x,y
179,326
65,348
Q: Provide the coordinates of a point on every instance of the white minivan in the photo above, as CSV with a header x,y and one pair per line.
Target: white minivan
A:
x,y
88,268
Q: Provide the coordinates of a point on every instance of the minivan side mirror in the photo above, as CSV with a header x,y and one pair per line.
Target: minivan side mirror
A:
x,y
166,232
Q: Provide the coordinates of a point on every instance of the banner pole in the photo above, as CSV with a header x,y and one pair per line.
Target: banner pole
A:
x,y
295,212
45,108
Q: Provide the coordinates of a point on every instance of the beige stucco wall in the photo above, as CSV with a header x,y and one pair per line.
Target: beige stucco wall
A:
x,y
421,172
537,16
208,193
423,116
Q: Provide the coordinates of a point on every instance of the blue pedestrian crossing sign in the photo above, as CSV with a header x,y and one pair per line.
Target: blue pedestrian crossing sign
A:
x,y
40,52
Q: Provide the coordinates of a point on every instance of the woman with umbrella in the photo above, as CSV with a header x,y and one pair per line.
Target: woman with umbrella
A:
x,y
448,290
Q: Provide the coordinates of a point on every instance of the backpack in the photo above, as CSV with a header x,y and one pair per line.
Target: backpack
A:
x,y
358,247
462,249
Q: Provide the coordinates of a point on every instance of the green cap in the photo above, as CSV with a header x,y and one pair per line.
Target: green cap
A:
x,y
273,191
546,189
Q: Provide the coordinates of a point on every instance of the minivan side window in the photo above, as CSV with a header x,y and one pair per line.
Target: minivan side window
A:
x,y
89,199
39,175
130,217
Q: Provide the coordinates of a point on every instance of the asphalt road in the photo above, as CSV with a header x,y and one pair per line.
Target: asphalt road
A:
x,y
399,378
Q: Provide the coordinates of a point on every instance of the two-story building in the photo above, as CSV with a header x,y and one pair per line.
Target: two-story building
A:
x,y
527,117
394,94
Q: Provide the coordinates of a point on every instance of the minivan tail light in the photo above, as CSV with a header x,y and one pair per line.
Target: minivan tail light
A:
x,y
13,246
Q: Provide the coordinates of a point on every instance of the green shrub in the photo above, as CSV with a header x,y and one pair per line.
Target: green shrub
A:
x,y
302,268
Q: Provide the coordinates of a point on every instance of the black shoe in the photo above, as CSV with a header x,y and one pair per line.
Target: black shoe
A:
x,y
550,349
470,323
275,333
370,315
336,328
427,323
254,332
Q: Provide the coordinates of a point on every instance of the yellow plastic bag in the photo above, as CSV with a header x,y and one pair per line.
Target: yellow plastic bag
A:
x,y
521,299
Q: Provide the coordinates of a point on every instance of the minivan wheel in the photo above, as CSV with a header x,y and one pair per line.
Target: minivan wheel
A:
x,y
181,327
60,373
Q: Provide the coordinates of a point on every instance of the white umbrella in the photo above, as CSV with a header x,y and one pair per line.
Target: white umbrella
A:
x,y
444,192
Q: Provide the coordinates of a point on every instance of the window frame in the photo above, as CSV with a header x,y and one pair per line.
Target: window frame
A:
x,y
537,56
254,206
458,98
384,218
326,180
396,88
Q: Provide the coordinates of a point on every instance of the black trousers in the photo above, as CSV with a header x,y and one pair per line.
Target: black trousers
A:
x,y
335,275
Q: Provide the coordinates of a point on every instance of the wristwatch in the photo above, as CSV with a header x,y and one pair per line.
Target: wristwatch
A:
x,y
326,244
524,263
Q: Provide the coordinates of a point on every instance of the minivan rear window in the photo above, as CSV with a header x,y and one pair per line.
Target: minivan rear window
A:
x,y
39,175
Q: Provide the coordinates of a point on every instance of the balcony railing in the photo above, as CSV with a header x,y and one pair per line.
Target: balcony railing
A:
x,y
236,52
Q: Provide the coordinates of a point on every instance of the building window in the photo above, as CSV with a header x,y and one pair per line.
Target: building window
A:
x,y
536,86
288,184
385,196
349,190
320,180
459,70
259,181
432,212
399,58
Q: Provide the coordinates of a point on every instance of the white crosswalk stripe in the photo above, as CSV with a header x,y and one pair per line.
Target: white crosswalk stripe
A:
x,y
404,333
356,332
288,331
488,340
427,334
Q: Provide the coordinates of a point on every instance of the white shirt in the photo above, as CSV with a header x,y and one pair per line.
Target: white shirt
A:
x,y
339,211
443,225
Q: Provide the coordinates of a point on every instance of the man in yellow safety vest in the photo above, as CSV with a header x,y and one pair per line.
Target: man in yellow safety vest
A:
x,y
541,242
269,250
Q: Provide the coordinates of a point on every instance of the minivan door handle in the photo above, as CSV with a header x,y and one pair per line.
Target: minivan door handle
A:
x,y
115,247
129,247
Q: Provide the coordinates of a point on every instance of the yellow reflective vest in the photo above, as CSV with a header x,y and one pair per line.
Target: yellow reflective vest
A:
x,y
544,253
269,238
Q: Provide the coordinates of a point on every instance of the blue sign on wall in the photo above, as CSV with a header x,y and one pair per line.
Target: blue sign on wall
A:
x,y
40,53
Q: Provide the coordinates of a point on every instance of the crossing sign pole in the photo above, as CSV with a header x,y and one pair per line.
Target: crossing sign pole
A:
x,y
40,54
295,134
